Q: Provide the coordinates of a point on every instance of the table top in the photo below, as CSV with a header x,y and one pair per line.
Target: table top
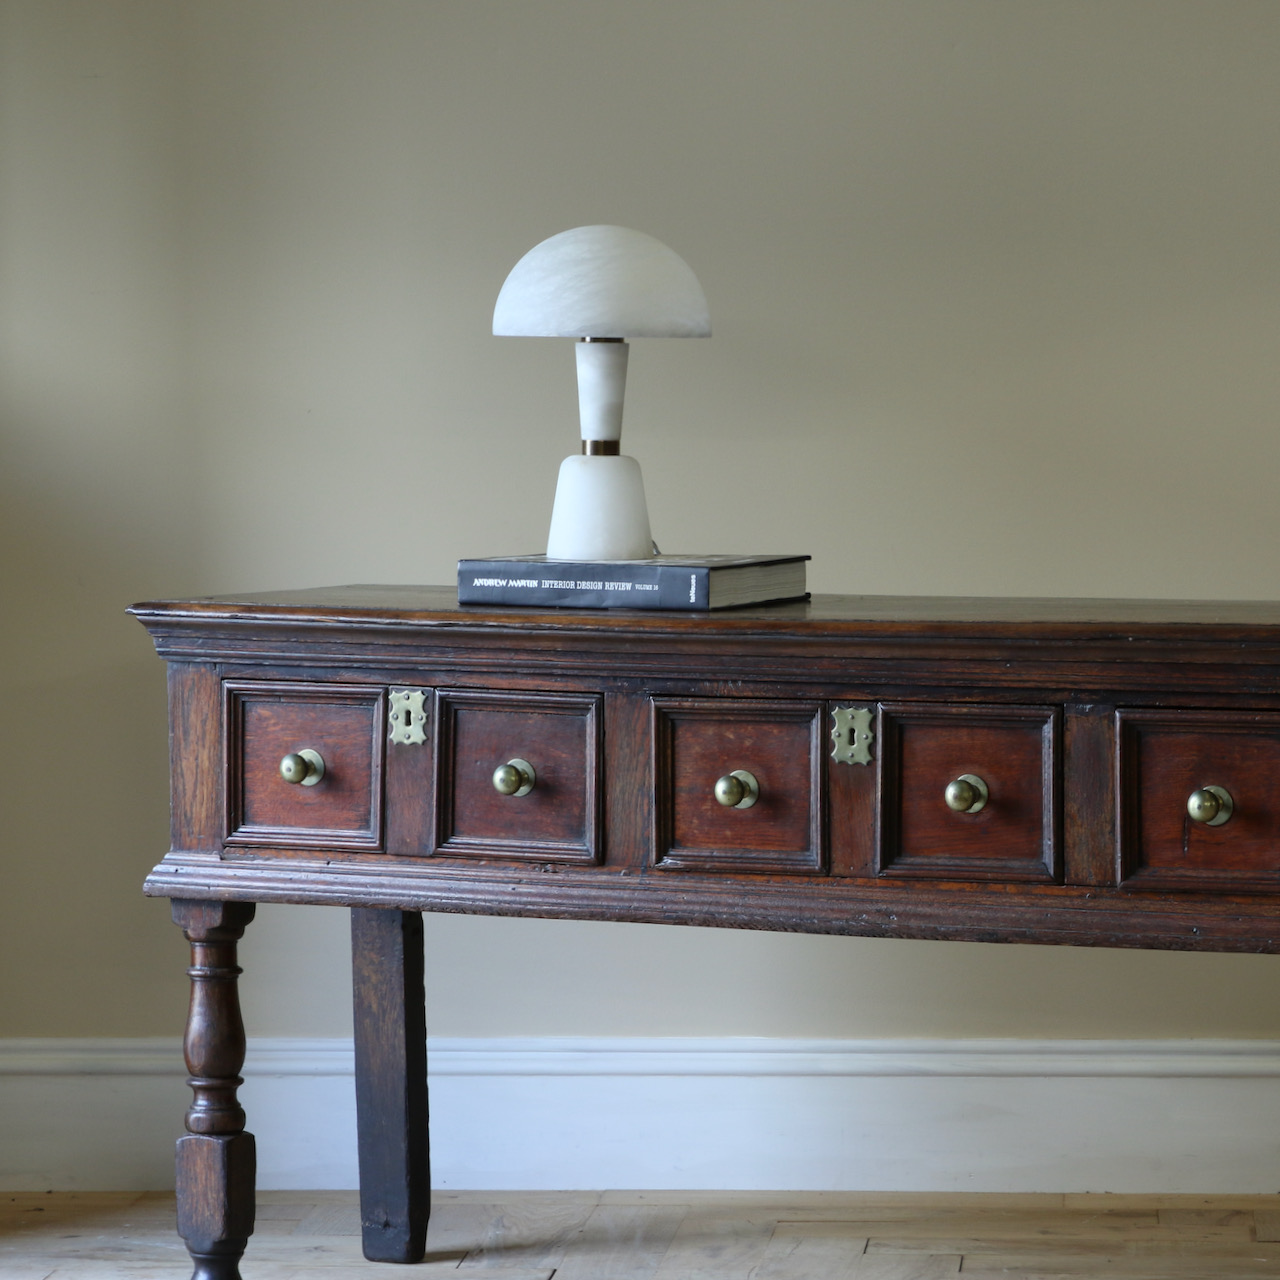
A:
x,y
435,607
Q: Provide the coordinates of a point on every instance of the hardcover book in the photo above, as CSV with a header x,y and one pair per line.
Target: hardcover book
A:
x,y
661,582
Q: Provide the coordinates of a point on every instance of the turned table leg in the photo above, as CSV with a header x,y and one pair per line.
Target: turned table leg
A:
x,y
391,1083
216,1159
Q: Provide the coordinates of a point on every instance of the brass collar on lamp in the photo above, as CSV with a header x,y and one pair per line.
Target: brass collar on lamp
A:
x,y
601,285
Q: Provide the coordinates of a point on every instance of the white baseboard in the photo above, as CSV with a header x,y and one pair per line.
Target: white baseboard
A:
x,y
1136,1116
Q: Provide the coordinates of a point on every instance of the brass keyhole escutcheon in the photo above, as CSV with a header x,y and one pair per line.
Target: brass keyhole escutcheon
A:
x,y
516,778
302,768
1210,806
966,794
407,716
737,790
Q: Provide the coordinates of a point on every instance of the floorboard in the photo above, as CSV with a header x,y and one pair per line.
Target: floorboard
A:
x,y
667,1235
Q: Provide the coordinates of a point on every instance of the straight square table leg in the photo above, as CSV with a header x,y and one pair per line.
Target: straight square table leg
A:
x,y
391,1083
216,1160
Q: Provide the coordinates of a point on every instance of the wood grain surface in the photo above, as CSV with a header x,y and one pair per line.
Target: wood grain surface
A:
x,y
637,1235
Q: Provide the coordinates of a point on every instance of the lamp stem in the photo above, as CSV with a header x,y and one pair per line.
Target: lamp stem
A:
x,y
602,383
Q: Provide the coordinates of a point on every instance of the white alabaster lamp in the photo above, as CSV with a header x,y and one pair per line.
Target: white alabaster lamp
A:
x,y
601,285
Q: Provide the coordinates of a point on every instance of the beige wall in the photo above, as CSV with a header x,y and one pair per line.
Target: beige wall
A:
x,y
996,295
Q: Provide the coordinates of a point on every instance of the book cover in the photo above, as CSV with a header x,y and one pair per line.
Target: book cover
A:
x,y
661,582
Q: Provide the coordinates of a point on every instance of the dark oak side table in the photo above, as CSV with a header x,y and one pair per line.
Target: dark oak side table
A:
x,y
1091,772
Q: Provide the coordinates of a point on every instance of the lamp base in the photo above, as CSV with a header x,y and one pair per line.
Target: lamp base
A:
x,y
600,511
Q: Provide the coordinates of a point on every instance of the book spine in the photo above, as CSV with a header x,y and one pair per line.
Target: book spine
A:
x,y
583,586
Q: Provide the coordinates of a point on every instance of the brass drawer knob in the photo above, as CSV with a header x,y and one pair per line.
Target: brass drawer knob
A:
x,y
1211,806
515,778
305,767
966,794
737,790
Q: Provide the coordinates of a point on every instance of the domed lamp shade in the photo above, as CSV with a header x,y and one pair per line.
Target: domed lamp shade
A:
x,y
601,285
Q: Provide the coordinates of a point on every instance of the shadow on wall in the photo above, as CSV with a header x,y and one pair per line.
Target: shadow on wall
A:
x,y
83,757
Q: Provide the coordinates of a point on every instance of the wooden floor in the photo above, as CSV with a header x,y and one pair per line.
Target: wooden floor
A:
x,y
637,1235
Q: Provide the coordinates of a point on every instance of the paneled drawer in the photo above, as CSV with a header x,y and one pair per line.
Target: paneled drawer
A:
x,y
968,792
340,731
773,750
1165,758
551,742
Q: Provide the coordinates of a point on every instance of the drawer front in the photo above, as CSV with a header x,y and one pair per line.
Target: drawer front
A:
x,y
968,792
555,738
778,744
343,725
1164,758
